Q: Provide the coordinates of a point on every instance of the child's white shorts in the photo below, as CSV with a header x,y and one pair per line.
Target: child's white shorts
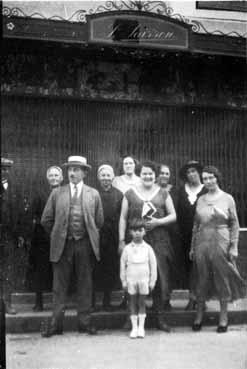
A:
x,y
138,287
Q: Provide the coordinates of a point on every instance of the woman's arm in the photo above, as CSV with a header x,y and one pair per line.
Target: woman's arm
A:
x,y
123,224
169,218
234,228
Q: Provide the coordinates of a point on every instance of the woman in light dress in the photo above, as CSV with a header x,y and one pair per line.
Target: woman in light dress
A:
x,y
214,249
128,179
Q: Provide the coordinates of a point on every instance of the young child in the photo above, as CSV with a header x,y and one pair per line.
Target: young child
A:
x,y
138,273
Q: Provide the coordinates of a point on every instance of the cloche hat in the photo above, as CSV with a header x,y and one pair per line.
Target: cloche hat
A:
x,y
190,164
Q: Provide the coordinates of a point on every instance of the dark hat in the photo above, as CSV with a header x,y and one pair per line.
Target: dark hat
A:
x,y
190,164
6,162
77,161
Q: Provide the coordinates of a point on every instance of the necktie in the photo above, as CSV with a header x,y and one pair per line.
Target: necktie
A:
x,y
75,192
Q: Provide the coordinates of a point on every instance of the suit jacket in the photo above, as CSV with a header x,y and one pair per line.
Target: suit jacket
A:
x,y
55,218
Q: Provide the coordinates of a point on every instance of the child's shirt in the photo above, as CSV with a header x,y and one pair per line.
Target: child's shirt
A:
x,y
138,257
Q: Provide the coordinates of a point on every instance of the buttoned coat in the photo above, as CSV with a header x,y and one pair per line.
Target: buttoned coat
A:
x,y
55,218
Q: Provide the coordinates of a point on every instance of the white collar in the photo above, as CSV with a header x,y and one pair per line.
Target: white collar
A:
x,y
148,198
79,188
192,195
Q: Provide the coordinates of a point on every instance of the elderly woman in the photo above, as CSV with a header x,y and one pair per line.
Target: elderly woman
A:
x,y
109,266
215,249
188,195
128,179
152,203
40,246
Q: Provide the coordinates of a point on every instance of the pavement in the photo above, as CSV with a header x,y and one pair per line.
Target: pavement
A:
x,y
113,349
27,321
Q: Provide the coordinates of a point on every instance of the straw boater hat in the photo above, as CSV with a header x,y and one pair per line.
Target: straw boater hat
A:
x,y
77,161
190,164
6,162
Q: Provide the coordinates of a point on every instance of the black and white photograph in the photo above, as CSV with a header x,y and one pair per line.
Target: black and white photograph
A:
x,y
123,233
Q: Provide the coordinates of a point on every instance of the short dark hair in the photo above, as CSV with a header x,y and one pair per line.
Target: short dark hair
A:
x,y
136,223
149,164
215,171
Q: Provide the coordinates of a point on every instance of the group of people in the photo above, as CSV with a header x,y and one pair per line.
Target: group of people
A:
x,y
139,229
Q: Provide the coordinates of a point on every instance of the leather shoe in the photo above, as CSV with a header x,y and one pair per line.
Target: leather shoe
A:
x,y
87,328
49,328
222,328
196,327
163,326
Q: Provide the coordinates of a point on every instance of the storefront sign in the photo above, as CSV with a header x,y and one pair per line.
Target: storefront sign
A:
x,y
138,30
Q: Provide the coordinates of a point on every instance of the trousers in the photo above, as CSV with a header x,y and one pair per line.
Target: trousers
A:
x,y
78,257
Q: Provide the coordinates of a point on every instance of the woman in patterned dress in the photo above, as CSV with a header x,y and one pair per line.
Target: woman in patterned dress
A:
x,y
215,248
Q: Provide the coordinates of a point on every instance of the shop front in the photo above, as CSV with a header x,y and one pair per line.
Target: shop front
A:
x,y
118,82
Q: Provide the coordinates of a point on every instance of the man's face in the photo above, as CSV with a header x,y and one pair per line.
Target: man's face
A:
x,y
76,174
54,177
4,173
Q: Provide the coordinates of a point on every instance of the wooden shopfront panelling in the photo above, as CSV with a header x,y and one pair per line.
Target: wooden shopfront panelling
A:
x,y
38,132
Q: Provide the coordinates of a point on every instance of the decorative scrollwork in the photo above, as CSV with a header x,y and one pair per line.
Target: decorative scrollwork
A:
x,y
158,7
78,16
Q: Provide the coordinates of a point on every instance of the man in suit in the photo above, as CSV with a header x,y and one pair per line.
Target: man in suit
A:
x,y
8,241
73,217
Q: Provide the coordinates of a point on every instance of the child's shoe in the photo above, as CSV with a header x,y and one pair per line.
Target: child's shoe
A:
x,y
141,332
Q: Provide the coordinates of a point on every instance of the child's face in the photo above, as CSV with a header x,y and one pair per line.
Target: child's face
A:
x,y
137,234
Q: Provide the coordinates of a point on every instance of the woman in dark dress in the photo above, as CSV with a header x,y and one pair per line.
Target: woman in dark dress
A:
x,y
40,245
111,199
155,206
177,270
188,195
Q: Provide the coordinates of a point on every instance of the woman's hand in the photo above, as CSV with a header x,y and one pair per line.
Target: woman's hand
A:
x,y
152,223
191,255
232,257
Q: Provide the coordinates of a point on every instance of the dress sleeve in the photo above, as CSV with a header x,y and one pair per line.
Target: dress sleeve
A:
x,y
233,226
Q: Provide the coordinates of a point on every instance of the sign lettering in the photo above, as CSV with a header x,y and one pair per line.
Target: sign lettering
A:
x,y
138,30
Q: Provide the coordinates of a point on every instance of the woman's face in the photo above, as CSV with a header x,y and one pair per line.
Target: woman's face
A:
x,y
193,175
147,176
164,175
209,181
54,177
128,165
105,178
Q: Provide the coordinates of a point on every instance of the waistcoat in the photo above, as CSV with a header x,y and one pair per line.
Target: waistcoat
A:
x,y
77,228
